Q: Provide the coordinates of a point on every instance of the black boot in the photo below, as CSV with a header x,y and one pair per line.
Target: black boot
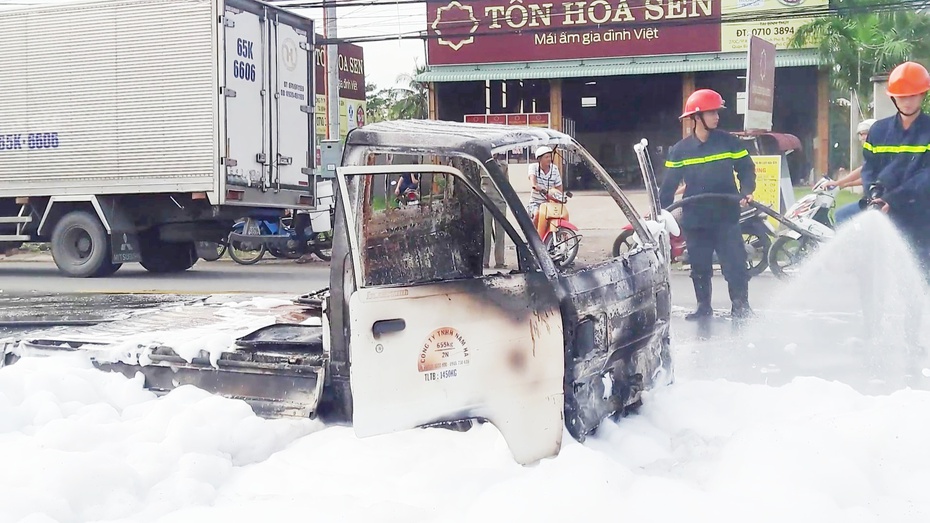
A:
x,y
739,298
702,291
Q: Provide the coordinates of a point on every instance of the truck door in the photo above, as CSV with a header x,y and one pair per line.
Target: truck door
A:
x,y
431,337
248,116
292,105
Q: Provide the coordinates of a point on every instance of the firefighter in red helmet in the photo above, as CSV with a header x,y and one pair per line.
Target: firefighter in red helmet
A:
x,y
705,161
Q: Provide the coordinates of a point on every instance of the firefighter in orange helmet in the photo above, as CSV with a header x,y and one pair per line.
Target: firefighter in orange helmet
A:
x,y
705,161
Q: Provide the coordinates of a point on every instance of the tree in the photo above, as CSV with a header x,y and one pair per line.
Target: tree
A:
x,y
378,103
863,44
411,99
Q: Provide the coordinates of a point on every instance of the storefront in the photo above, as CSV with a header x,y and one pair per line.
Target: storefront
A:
x,y
618,71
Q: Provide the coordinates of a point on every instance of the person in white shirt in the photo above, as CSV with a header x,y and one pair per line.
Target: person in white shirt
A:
x,y
544,177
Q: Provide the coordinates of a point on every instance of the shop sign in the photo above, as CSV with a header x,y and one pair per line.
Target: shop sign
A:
x,y
734,36
496,31
483,31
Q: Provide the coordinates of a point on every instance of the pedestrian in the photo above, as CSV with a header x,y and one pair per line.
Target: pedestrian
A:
x,y
852,179
494,229
705,161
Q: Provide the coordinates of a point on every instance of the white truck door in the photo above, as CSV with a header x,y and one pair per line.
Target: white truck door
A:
x,y
247,113
430,343
292,106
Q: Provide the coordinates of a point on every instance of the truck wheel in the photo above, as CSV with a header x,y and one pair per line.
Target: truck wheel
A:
x,y
81,246
163,257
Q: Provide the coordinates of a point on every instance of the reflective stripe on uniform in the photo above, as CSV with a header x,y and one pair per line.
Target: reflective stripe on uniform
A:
x,y
895,149
708,159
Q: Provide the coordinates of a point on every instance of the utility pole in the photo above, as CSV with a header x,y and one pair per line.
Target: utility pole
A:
x,y
332,68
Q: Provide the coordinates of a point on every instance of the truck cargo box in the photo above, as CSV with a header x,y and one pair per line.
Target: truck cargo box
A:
x,y
157,96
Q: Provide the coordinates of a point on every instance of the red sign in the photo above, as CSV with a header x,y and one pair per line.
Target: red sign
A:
x,y
351,70
539,119
520,119
487,31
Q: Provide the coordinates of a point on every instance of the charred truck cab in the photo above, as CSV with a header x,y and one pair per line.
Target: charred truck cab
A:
x,y
421,334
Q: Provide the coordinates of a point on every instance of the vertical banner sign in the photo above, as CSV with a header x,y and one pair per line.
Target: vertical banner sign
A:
x,y
760,74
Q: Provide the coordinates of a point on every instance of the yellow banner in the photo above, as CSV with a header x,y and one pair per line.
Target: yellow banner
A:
x,y
320,116
351,115
737,7
734,36
768,174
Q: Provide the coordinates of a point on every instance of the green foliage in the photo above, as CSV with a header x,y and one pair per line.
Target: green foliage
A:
x,y
409,99
864,44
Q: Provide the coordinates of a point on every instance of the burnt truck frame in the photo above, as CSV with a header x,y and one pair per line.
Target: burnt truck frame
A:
x,y
550,346
416,334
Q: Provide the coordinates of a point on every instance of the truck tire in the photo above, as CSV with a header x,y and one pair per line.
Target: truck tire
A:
x,y
164,257
81,246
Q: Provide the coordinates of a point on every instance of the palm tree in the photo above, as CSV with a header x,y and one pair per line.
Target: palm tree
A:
x,y
864,44
411,99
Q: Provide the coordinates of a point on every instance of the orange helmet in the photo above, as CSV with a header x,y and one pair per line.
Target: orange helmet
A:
x,y
702,100
908,79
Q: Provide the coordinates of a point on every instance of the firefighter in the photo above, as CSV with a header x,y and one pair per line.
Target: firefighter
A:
x,y
897,156
705,161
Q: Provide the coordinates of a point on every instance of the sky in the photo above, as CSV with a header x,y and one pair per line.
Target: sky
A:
x,y
384,61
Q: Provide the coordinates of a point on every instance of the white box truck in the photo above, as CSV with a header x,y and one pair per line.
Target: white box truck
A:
x,y
132,129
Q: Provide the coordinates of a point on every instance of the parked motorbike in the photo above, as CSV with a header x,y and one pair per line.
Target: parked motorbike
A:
x,y
810,214
757,236
251,238
561,239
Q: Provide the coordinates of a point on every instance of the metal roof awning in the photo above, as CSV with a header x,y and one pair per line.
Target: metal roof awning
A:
x,y
639,65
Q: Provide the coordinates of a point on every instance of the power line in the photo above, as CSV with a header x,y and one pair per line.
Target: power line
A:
x,y
758,16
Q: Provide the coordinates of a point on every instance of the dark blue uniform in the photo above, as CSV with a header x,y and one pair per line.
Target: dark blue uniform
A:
x,y
900,160
712,225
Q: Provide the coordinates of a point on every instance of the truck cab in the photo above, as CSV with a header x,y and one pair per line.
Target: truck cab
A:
x,y
422,333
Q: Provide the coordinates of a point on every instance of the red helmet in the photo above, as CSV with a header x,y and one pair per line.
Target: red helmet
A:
x,y
908,79
702,100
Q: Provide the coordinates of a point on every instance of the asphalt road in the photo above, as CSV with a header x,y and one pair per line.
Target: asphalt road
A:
x,y
272,277
267,277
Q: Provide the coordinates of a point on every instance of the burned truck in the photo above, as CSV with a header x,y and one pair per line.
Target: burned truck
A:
x,y
416,332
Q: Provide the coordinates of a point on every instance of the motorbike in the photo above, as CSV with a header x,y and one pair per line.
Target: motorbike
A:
x,y
811,214
561,239
410,197
251,238
757,237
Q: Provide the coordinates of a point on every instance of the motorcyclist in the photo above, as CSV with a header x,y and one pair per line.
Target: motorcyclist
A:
x,y
553,208
406,181
705,161
852,179
544,176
